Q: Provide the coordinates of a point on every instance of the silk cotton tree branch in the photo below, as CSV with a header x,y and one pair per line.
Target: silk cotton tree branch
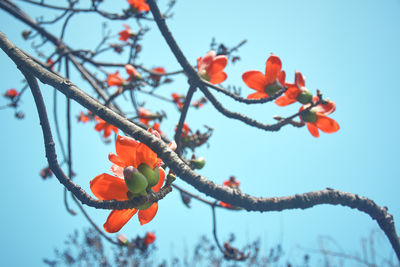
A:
x,y
172,160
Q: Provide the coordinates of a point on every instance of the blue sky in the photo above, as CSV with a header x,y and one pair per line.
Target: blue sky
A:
x,y
349,50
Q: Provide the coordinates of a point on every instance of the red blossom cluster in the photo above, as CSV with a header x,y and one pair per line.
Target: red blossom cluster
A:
x,y
314,109
137,171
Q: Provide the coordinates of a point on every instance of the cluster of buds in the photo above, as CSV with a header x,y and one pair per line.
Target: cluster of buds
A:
x,y
192,139
140,181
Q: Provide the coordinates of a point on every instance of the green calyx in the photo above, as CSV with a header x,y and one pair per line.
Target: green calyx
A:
x,y
134,180
144,206
304,97
152,175
273,88
198,163
203,75
309,116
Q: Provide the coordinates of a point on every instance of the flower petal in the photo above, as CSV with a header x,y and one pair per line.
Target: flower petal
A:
x,y
257,95
107,131
313,129
326,124
299,79
117,171
203,63
282,77
255,80
117,219
284,101
117,160
272,68
108,187
145,216
126,148
160,183
145,155
217,78
217,65
293,91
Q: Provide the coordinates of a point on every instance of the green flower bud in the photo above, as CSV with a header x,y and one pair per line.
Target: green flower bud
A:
x,y
309,116
170,178
198,163
273,88
135,181
152,176
304,97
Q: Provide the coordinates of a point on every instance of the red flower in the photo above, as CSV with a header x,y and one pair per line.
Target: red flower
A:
x,y
156,127
159,70
85,117
132,72
211,67
126,34
295,92
139,5
146,115
266,84
232,183
130,153
102,125
11,93
114,79
178,100
149,238
316,118
50,62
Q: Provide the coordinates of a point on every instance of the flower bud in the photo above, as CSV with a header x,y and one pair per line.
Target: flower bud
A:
x,y
198,163
170,178
305,97
309,116
135,181
152,176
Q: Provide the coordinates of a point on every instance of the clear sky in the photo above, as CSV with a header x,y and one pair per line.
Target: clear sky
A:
x,y
348,49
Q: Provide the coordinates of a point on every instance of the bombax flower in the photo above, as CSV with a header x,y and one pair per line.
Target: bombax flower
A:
x,y
102,125
11,93
232,183
126,34
139,5
114,79
132,72
210,67
316,118
149,238
137,171
145,115
158,72
266,84
295,92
